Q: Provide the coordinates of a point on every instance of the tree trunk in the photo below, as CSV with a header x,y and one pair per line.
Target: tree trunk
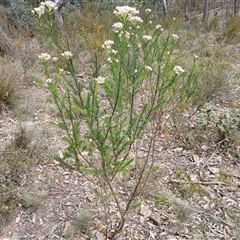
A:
x,y
6,45
236,6
206,10
164,3
186,11
228,8
57,13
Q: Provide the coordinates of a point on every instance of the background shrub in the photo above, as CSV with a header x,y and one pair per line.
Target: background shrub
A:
x,y
232,28
11,80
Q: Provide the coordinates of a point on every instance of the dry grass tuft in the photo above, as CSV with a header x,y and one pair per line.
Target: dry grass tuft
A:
x,y
92,24
233,28
11,78
12,165
82,221
30,200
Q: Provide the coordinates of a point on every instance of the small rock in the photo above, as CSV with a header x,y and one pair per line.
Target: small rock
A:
x,y
204,147
195,158
193,177
156,218
180,149
99,236
237,194
141,219
214,170
145,211
91,197
18,218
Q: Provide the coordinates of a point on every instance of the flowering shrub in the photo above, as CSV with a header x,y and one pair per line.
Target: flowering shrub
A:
x,y
47,6
117,109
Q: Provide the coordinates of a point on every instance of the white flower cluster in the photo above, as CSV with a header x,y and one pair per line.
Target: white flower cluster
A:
x,y
44,56
100,80
49,80
41,9
178,70
135,19
175,36
127,34
114,51
55,59
159,27
122,11
126,13
124,34
107,44
118,26
147,37
67,54
148,68
50,5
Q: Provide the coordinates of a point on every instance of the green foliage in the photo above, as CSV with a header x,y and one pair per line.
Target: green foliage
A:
x,y
19,14
228,126
214,127
111,131
143,82
224,177
161,199
186,186
4,2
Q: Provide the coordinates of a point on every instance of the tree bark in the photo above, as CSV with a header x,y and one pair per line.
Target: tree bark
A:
x,y
57,13
236,6
164,3
206,10
186,11
6,45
